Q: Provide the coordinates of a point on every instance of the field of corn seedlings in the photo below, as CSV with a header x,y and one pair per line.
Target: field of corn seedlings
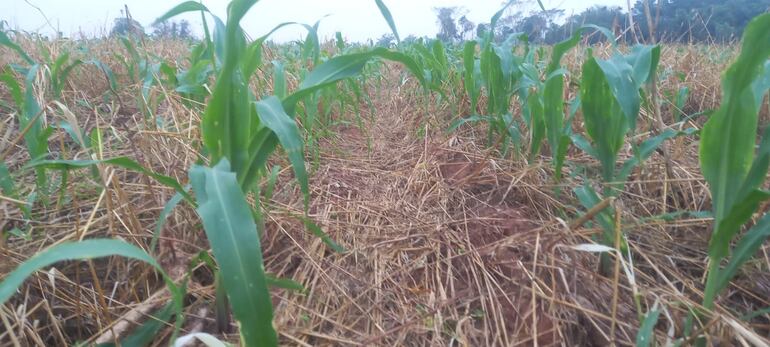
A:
x,y
490,193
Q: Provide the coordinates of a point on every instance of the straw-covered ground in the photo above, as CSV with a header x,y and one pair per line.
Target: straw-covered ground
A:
x,y
447,243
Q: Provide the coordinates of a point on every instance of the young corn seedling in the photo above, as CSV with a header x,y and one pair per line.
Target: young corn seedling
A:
x,y
58,70
31,114
544,106
499,71
734,170
610,101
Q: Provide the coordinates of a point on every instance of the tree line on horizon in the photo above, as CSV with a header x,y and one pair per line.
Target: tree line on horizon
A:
x,y
673,21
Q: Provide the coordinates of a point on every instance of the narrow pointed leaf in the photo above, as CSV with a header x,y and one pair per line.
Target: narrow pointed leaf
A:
x,y
388,18
231,230
273,116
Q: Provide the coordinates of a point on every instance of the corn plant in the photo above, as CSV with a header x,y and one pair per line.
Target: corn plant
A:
x,y
239,133
734,172
497,72
544,105
57,69
610,101
31,114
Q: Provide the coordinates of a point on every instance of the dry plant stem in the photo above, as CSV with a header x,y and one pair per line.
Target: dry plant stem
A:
x,y
9,329
12,200
616,277
22,133
591,213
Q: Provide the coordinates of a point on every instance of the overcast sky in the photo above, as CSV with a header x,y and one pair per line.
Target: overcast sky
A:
x,y
358,20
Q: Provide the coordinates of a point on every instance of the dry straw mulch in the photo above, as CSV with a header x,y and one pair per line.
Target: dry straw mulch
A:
x,y
447,243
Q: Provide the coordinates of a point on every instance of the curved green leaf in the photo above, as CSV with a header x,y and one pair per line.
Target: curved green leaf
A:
x,y
388,17
728,137
187,6
119,161
273,116
231,230
343,67
82,250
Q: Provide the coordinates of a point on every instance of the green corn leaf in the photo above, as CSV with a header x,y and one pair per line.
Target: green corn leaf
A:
x,y
107,72
644,60
219,39
388,18
237,10
88,249
231,230
606,32
262,144
123,162
744,250
273,116
187,6
284,283
6,181
761,85
534,106
318,232
727,139
311,48
646,149
618,75
14,88
589,198
472,119
279,80
646,334
6,41
470,83
253,55
343,67
148,331
604,121
553,101
167,209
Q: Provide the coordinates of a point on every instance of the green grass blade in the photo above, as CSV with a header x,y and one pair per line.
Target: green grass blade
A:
x,y
388,18
271,180
231,230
